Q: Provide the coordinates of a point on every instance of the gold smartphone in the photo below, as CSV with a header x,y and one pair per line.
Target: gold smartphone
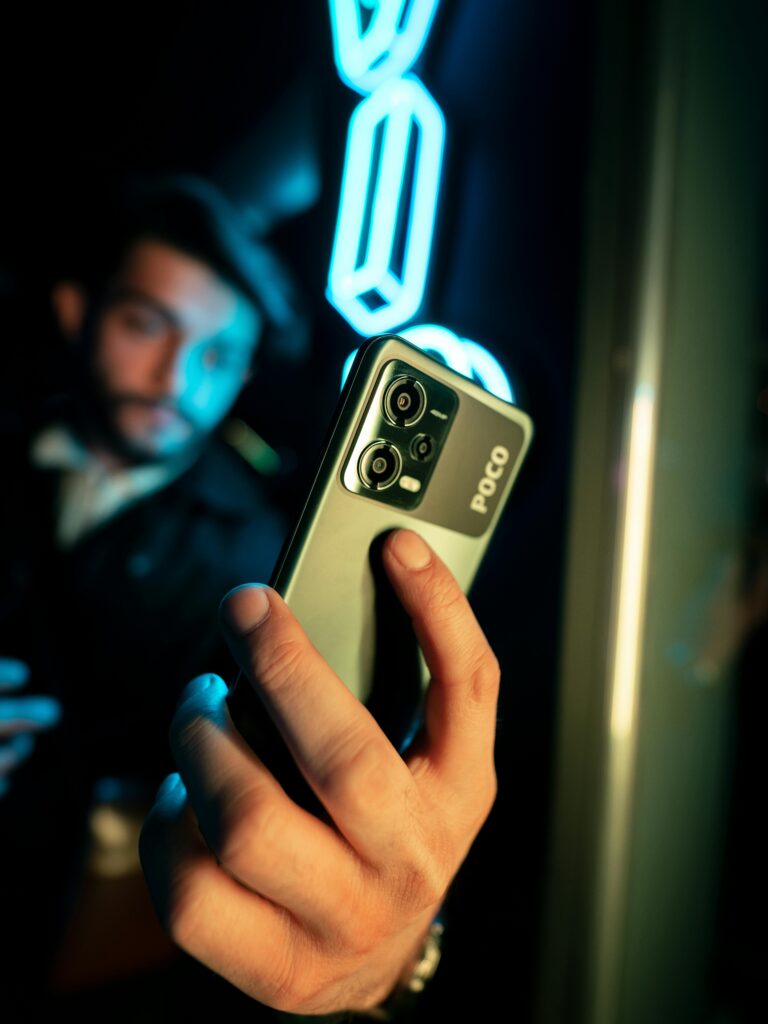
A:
x,y
412,444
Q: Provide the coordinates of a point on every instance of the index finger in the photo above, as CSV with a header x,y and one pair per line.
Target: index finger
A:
x,y
334,740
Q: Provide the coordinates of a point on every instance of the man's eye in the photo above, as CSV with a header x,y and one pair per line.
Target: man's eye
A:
x,y
219,358
143,323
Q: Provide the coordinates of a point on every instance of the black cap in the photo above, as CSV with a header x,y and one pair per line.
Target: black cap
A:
x,y
194,215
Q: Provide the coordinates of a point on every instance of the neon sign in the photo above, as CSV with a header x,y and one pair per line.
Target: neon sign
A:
x,y
391,182
364,283
367,55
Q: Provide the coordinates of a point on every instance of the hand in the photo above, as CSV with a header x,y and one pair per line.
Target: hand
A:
x,y
19,718
303,915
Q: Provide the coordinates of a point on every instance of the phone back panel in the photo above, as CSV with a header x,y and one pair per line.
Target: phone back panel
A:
x,y
327,573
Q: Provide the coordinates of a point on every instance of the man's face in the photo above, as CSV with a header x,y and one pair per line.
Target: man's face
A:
x,y
171,350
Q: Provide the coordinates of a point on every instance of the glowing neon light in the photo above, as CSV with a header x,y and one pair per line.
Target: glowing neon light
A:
x,y
461,354
375,295
441,342
488,371
367,55
390,186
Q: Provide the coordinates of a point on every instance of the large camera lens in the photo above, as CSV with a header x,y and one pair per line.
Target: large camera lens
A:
x,y
380,465
405,401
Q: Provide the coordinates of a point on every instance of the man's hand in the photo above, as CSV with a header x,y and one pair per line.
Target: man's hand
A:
x,y
20,717
303,915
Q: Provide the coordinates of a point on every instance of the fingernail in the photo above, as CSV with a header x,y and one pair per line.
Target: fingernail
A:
x,y
198,684
245,607
410,550
167,786
13,672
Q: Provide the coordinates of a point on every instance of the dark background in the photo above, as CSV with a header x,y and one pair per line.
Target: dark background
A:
x,y
88,96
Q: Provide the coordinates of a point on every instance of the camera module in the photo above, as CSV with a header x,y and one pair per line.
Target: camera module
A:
x,y
405,401
423,447
379,465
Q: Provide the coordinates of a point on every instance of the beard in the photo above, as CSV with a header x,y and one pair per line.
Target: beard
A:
x,y
99,419
103,418
145,431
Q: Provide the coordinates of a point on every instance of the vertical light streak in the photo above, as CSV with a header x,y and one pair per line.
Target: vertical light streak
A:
x,y
633,558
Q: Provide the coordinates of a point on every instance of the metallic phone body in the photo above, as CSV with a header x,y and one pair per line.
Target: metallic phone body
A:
x,y
326,573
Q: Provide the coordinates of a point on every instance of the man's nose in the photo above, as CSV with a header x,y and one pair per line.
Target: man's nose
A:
x,y
170,367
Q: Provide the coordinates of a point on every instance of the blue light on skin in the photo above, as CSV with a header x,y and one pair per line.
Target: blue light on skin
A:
x,y
172,348
401,105
465,356
20,716
386,47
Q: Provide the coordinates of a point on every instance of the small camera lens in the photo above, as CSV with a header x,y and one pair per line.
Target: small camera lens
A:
x,y
405,401
380,465
423,447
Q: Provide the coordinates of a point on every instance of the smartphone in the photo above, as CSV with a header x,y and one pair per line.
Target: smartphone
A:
x,y
412,444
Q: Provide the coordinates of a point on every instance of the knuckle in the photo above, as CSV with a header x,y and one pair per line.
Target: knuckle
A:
x,y
187,914
188,728
444,596
487,792
252,829
359,936
356,774
360,922
484,677
424,865
423,879
277,664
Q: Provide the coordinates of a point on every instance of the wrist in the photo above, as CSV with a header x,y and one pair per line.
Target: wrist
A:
x,y
419,971
403,999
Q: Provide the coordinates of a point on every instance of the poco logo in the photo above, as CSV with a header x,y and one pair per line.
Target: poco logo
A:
x,y
494,470
383,243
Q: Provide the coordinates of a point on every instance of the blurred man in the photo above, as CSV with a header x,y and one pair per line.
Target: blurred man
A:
x,y
123,521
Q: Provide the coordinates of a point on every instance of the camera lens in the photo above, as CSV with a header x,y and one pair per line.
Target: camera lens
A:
x,y
380,465
423,447
405,401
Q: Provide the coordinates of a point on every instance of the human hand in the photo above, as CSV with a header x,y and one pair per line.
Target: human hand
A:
x,y
20,717
304,915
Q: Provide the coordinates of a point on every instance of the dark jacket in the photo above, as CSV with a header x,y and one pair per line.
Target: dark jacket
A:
x,y
114,627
